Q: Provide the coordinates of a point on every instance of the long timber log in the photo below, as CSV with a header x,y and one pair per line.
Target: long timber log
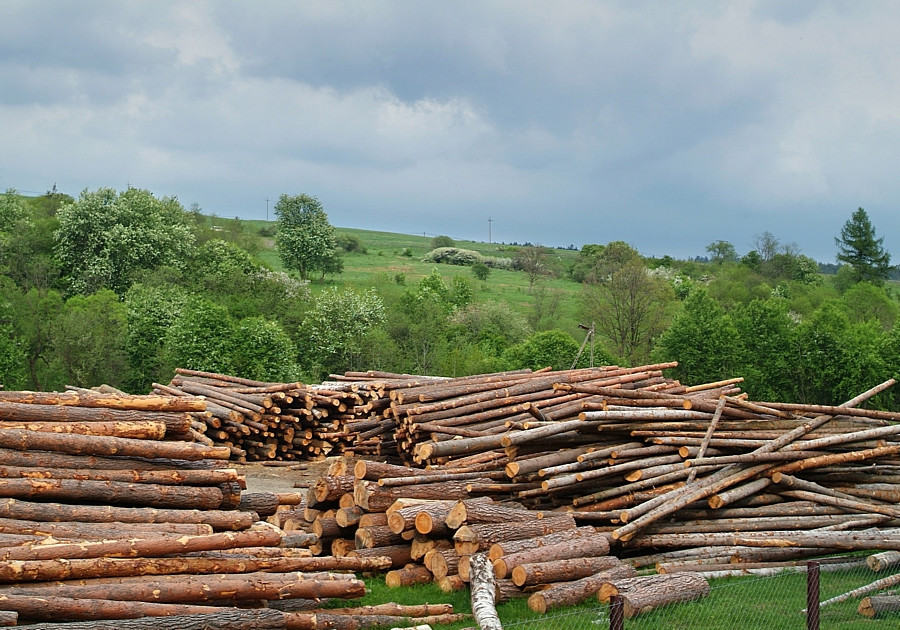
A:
x,y
156,546
203,588
213,618
219,519
12,571
25,440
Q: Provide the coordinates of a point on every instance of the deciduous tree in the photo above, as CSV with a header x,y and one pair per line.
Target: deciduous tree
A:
x,y
90,340
336,328
533,260
721,252
305,238
702,338
629,308
105,237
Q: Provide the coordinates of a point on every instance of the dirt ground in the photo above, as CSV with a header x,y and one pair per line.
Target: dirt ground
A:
x,y
281,479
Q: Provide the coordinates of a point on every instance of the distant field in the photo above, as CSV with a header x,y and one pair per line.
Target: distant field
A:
x,y
390,256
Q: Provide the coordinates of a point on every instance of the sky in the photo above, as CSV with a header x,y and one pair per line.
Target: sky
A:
x,y
667,125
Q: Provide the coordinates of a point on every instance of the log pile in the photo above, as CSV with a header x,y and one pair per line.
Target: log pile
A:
x,y
673,478
677,479
109,513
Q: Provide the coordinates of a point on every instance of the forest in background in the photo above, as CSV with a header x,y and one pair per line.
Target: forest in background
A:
x,y
122,287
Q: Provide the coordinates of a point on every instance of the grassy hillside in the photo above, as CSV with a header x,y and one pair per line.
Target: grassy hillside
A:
x,y
395,260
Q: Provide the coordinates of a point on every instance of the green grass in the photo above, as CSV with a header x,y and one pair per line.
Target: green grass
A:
x,y
390,255
770,603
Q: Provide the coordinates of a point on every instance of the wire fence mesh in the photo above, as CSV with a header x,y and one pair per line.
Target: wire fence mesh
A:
x,y
773,602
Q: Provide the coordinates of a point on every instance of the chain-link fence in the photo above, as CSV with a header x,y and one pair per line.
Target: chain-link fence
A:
x,y
773,602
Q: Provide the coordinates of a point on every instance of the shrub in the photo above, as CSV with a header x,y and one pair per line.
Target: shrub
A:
x,y
465,258
350,243
442,241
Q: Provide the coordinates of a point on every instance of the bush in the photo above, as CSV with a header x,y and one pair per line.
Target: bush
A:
x,y
553,348
442,241
350,243
480,271
465,258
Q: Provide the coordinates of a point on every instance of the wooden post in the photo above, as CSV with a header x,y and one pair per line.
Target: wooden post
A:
x,y
616,613
812,595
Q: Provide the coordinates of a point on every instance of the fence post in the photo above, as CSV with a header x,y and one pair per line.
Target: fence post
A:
x,y
616,613
812,595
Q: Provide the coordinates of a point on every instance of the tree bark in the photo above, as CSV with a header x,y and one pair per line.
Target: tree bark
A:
x,y
442,562
680,587
113,493
479,511
99,531
68,569
876,605
508,547
162,477
135,429
23,440
568,593
380,536
162,545
562,570
408,575
53,607
483,595
580,547
205,588
470,539
103,401
219,519
884,560
399,555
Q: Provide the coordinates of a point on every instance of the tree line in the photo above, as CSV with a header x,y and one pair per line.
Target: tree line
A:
x,y
120,287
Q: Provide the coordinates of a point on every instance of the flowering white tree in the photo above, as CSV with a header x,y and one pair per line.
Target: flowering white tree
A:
x,y
105,237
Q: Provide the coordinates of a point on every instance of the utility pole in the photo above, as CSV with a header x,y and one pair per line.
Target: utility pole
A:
x,y
490,220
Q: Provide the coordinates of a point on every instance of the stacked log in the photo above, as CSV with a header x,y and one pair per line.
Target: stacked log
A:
x,y
680,479
120,524
625,451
